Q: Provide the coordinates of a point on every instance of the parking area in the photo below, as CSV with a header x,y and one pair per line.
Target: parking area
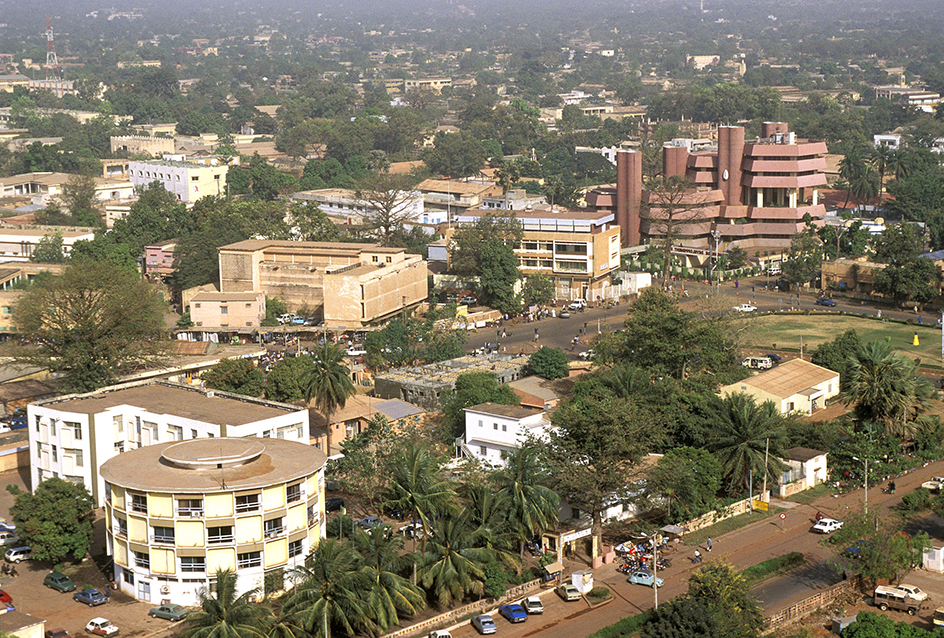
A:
x,y
58,609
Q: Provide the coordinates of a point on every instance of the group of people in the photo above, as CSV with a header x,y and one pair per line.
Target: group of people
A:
x,y
7,570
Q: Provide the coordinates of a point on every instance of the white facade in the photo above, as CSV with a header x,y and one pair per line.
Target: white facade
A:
x,y
70,439
188,181
344,203
491,429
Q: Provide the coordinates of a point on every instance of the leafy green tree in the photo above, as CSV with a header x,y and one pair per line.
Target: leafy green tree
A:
x,y
885,388
684,616
328,382
727,594
309,223
499,275
92,323
835,355
389,202
287,379
899,244
456,155
235,375
531,507
747,436
596,449
49,250
391,595
468,242
55,520
471,388
917,280
687,480
538,289
224,614
549,363
328,595
274,309
78,195
886,551
804,258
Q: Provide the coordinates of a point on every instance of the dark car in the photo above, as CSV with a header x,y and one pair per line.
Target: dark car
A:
x,y
57,633
513,613
90,597
169,612
776,358
334,503
58,581
369,521
825,301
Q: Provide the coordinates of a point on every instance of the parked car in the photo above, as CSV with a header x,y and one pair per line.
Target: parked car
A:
x,y
101,627
57,633
564,314
169,612
5,607
298,321
913,591
532,605
369,521
513,613
334,503
440,633
568,592
59,581
587,355
9,538
758,363
468,300
90,597
578,305
855,550
8,527
484,624
885,597
284,319
827,525
825,301
5,597
312,321
776,358
934,484
355,352
745,307
642,577
17,554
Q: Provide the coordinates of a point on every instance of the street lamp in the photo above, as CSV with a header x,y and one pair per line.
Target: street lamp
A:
x,y
655,571
865,465
716,234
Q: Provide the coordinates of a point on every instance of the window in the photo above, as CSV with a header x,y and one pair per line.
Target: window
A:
x,y
494,426
295,548
312,516
142,559
293,493
274,527
217,535
163,535
483,450
190,507
224,310
37,422
52,427
175,433
76,429
193,434
121,529
55,454
192,564
127,575
504,427
79,458
480,422
120,447
247,503
139,503
119,423
249,559
299,431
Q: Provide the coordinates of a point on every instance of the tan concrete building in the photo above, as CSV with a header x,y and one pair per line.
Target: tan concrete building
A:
x,y
228,310
177,512
793,386
354,284
577,249
435,85
137,144
10,82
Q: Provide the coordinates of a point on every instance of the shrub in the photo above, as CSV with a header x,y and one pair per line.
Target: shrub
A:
x,y
916,501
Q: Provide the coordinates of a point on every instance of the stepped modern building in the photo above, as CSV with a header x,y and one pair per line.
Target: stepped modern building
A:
x,y
175,513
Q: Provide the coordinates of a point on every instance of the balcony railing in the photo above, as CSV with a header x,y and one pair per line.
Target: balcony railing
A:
x,y
275,531
247,507
195,512
220,540
163,540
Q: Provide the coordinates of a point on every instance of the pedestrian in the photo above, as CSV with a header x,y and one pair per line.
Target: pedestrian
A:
x,y
709,543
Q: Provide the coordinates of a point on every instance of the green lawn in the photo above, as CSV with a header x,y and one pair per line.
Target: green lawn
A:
x,y
790,331
727,525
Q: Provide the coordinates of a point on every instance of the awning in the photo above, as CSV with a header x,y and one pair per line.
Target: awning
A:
x,y
674,529
554,568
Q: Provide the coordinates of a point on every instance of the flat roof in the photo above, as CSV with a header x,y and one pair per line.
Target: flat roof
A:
x,y
498,409
252,245
226,296
213,465
173,399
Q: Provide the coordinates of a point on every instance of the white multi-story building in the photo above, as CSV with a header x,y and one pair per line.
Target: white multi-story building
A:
x,y
175,513
343,203
188,180
492,429
72,436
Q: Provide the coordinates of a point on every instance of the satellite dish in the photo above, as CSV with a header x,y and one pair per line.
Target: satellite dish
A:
x,y
724,175
880,221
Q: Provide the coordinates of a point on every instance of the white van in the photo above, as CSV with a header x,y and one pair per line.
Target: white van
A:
x,y
16,554
758,363
578,305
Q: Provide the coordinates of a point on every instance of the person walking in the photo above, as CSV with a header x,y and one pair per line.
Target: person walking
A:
x,y
709,543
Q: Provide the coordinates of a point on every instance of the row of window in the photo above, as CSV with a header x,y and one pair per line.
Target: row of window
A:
x,y
504,426
220,535
190,507
197,564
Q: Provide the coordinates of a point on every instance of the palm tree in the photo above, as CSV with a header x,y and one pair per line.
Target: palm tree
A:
x,y
223,614
745,435
488,514
329,592
329,383
531,507
886,388
881,158
899,164
453,564
865,185
850,167
390,593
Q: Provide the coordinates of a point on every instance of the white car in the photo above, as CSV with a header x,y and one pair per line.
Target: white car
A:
x,y
284,319
934,484
578,305
532,605
827,525
745,307
101,627
913,592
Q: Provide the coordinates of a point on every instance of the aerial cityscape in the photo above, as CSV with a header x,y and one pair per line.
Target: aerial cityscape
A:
x,y
444,319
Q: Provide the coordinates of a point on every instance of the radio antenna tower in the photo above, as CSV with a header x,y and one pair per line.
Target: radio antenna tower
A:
x,y
52,62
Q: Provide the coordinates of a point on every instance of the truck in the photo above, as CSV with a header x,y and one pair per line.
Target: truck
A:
x,y
886,598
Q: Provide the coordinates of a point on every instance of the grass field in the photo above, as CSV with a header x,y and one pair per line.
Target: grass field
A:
x,y
790,331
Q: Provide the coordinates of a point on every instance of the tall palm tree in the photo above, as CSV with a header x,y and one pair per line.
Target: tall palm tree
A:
x,y
745,434
531,507
488,515
329,383
850,167
390,593
881,157
223,614
898,163
865,185
418,488
329,592
886,388
453,564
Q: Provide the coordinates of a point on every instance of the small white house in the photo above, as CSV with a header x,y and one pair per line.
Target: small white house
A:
x,y
491,428
805,466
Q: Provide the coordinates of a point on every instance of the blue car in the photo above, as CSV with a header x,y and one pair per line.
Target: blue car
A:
x,y
90,597
369,521
513,612
825,301
642,577
856,549
298,321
